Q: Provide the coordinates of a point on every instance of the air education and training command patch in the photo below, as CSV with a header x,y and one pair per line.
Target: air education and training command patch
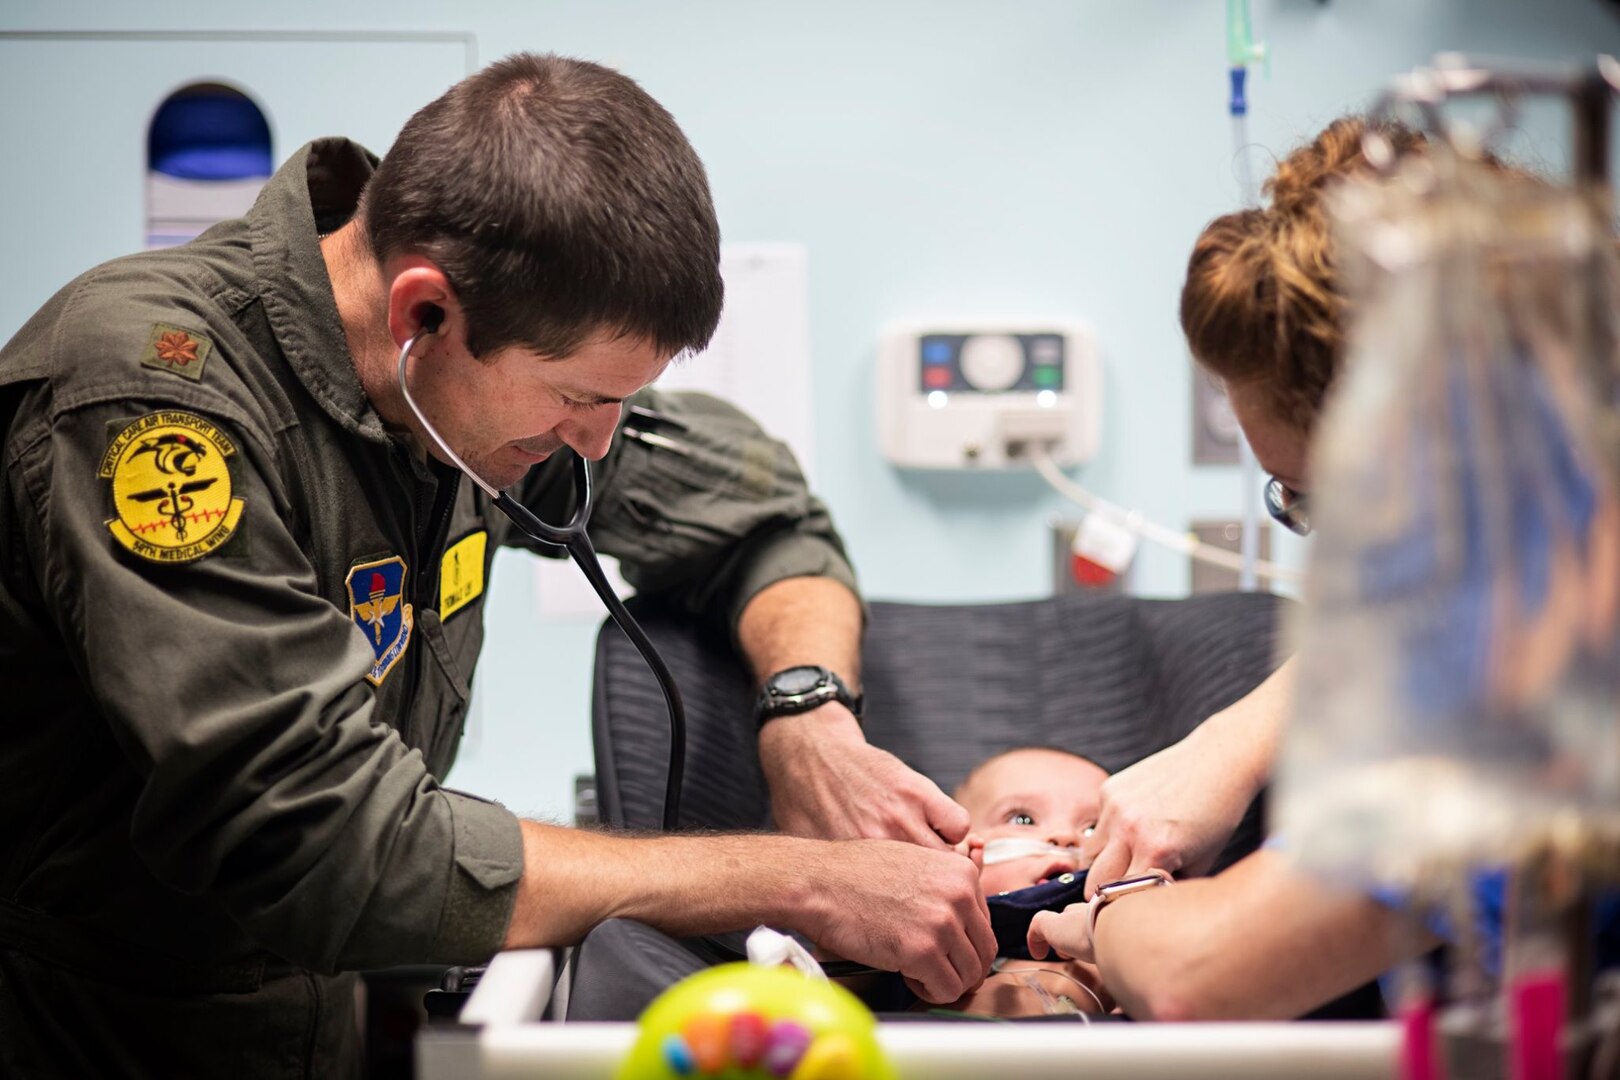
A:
x,y
377,606
171,487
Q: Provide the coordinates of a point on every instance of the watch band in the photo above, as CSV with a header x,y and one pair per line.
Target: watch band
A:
x,y
1106,894
802,688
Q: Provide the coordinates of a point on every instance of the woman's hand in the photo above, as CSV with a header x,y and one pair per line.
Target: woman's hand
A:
x,y
1176,809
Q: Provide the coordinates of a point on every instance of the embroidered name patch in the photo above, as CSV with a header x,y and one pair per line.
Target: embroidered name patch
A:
x,y
171,487
461,575
377,606
180,351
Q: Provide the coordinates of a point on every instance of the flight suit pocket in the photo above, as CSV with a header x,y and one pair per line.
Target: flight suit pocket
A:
x,y
744,469
445,691
473,853
666,508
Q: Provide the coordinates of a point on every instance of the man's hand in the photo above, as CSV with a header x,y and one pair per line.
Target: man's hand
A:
x,y
1066,933
894,906
898,907
828,782
1177,809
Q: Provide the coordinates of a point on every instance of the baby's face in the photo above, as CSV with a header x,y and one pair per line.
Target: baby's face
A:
x,y
1044,795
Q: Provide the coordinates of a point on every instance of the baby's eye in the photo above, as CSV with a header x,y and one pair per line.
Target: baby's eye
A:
x,y
1018,817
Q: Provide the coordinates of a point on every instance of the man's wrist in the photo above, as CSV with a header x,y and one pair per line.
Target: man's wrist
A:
x,y
803,688
792,899
831,722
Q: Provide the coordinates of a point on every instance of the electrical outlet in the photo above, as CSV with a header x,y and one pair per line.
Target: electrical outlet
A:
x,y
1226,534
1064,582
586,809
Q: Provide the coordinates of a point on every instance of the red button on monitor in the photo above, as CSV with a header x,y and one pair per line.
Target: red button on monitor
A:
x,y
937,378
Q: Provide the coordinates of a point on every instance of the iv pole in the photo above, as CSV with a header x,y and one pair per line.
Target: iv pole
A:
x,y
1241,50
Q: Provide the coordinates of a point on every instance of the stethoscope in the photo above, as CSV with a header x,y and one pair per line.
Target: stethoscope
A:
x,y
573,538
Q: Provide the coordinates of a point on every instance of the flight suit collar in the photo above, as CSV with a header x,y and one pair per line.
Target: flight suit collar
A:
x,y
315,192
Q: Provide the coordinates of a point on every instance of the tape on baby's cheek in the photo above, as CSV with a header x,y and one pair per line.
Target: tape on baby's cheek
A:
x,y
1006,849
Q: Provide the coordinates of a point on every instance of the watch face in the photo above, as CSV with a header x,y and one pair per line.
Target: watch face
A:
x,y
797,680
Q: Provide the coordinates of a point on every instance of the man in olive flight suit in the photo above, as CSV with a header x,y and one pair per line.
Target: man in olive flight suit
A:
x,y
241,599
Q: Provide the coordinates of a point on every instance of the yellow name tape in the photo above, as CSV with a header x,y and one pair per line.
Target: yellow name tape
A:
x,y
461,575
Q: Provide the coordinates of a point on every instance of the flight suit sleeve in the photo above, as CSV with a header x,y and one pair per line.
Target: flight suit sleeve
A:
x,y
702,507
237,692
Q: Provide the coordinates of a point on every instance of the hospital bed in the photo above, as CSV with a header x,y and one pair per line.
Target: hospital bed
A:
x,y
1112,677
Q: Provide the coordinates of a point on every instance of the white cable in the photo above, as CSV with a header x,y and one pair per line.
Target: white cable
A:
x,y
1184,542
1029,972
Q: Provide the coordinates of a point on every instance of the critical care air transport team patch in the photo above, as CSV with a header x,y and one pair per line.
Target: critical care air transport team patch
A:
x,y
171,487
377,606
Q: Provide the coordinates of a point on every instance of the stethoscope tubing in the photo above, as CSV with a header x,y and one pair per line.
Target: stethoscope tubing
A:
x,y
574,539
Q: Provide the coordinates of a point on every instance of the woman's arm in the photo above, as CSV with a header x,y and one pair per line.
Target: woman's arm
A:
x,y
1176,809
1260,941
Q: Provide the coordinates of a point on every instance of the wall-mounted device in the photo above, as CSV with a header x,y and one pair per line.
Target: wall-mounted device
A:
x,y
983,395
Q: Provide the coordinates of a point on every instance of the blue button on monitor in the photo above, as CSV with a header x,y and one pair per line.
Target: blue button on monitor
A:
x,y
935,351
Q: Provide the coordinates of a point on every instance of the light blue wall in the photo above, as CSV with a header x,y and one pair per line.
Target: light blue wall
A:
x,y
940,159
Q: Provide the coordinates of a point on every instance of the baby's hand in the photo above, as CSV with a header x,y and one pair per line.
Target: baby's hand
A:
x,y
1065,934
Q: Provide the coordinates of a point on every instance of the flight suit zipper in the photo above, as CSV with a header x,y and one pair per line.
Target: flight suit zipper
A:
x,y
430,509
434,512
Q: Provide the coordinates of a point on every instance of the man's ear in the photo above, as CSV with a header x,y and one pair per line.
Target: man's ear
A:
x,y
420,300
431,317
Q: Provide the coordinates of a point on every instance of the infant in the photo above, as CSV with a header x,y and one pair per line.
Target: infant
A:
x,y
1042,801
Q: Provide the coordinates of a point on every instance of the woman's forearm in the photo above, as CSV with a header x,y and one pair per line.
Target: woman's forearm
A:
x,y
1260,941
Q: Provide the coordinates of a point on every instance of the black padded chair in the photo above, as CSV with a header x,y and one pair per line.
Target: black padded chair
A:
x,y
1112,677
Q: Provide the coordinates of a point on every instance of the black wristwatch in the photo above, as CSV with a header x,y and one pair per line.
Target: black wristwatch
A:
x,y
800,689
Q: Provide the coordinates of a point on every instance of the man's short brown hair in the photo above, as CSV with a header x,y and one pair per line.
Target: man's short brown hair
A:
x,y
561,201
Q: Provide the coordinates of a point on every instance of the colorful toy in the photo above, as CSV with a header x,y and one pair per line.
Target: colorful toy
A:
x,y
746,1022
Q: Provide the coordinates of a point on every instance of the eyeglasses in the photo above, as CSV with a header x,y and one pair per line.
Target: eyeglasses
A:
x,y
1287,507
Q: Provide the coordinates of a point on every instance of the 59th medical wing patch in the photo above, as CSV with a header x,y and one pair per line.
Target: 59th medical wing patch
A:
x,y
171,487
